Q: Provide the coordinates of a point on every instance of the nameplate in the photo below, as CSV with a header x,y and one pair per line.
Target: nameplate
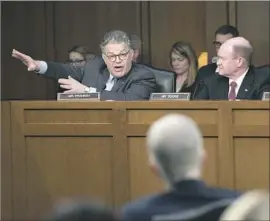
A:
x,y
266,96
170,96
78,96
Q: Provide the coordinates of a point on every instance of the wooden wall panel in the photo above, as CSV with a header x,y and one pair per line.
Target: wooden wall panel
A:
x,y
112,163
253,21
87,22
174,21
24,26
54,172
6,163
216,14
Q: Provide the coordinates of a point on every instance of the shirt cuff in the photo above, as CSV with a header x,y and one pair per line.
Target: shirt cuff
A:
x,y
42,68
92,89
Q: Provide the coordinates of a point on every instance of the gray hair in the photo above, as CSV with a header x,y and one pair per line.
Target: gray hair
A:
x,y
115,36
175,146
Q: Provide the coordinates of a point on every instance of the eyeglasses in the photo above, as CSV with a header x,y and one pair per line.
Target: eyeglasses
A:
x,y
76,62
217,44
122,56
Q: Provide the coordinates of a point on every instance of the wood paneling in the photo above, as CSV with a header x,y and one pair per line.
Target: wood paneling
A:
x,y
47,30
174,21
24,26
143,181
253,21
251,160
86,23
59,167
216,14
100,150
6,163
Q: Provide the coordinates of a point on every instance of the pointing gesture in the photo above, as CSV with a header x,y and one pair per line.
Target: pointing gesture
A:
x,y
32,65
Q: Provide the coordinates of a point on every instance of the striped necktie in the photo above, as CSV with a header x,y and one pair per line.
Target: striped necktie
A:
x,y
232,94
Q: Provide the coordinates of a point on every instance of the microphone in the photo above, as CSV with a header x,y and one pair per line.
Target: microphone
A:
x,y
214,59
201,82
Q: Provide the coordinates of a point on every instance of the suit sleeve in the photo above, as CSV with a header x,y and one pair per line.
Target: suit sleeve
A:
x,y
140,89
59,70
265,87
203,93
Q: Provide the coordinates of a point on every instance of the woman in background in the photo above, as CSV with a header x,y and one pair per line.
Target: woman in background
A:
x,y
79,55
184,63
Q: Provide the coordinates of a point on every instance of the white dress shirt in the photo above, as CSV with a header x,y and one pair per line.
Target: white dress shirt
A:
x,y
238,81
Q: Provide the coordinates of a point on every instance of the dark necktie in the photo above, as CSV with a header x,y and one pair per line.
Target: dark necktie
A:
x,y
232,94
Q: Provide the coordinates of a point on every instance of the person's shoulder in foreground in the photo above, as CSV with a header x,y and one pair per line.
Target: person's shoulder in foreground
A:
x,y
176,154
179,202
206,71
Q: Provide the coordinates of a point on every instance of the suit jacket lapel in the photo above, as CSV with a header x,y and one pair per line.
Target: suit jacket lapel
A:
x,y
119,82
102,80
246,86
222,88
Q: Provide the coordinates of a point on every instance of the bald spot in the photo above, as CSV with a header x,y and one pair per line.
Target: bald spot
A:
x,y
175,143
240,47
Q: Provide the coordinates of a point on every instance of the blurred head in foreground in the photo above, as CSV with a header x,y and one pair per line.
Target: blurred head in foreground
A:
x,y
80,210
175,147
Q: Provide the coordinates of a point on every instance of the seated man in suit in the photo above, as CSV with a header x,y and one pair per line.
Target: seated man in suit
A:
x,y
236,79
176,154
222,34
136,46
117,79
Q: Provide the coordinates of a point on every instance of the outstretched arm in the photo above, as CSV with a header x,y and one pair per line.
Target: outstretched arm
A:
x,y
49,69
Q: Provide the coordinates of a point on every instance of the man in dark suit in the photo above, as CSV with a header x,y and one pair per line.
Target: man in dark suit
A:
x,y
176,154
116,79
222,34
236,79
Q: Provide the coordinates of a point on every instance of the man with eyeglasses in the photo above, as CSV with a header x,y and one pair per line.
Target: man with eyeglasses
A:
x,y
115,76
222,34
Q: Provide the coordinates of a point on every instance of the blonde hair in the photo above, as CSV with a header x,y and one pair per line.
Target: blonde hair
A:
x,y
185,49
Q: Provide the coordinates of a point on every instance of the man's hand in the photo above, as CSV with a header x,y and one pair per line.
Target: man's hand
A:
x,y
32,65
72,85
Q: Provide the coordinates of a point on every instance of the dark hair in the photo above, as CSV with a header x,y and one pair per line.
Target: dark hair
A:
x,y
82,210
227,29
83,50
115,36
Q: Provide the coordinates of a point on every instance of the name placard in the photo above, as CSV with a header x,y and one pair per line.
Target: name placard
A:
x,y
78,96
170,96
266,96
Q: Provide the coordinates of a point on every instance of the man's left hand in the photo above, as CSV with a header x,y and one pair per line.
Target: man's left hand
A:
x,y
71,85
